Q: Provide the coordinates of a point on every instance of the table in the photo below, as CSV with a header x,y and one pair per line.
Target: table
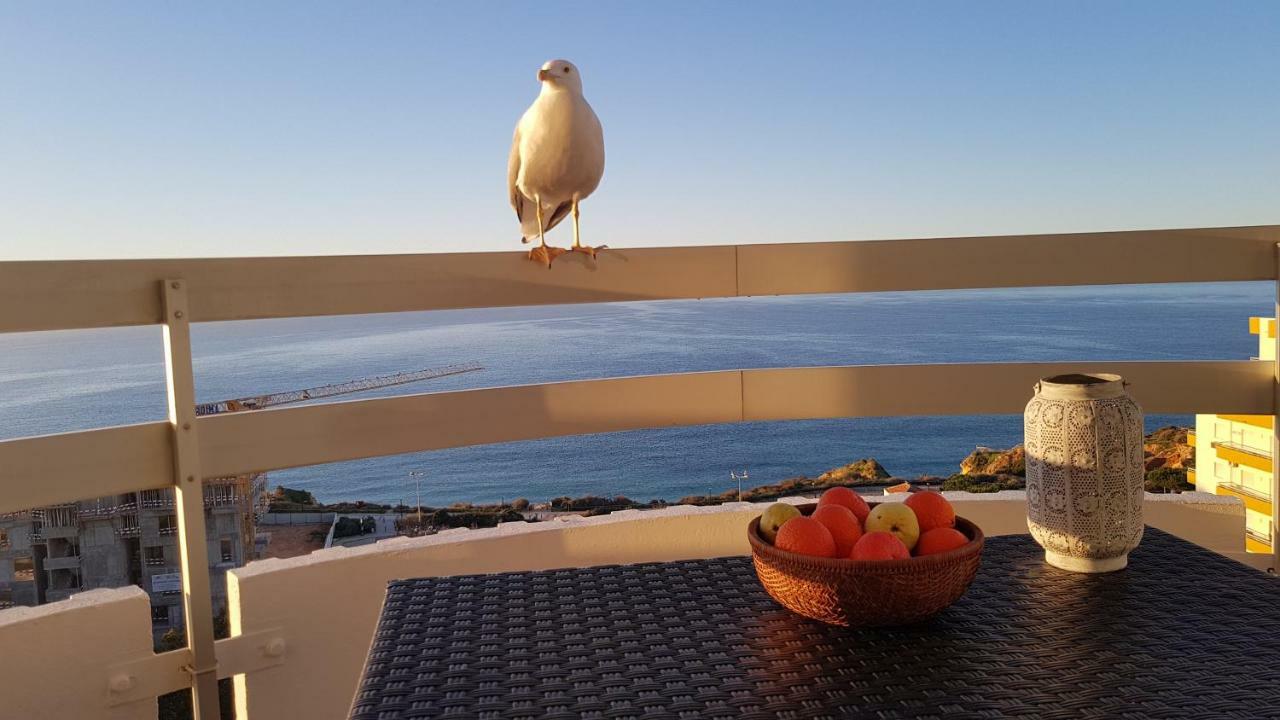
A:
x,y
1182,632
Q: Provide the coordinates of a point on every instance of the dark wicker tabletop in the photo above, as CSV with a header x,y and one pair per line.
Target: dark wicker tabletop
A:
x,y
1181,633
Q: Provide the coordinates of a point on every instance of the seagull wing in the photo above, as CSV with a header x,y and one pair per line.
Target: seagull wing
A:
x,y
524,207
513,172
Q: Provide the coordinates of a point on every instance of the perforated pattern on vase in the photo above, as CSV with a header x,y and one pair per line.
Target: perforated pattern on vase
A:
x,y
1084,475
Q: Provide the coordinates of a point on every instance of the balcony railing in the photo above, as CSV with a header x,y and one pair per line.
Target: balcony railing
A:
x,y
1246,449
1244,455
184,451
1261,537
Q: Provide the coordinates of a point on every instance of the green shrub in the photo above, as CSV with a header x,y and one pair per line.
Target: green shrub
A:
x,y
1167,480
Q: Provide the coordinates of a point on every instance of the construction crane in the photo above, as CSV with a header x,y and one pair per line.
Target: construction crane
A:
x,y
258,402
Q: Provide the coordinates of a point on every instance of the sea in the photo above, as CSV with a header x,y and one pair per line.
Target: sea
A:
x,y
54,382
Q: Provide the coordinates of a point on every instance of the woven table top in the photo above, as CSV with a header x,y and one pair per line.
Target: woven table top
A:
x,y
1181,633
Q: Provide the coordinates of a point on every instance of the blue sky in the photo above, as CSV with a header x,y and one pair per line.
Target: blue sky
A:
x,y
175,129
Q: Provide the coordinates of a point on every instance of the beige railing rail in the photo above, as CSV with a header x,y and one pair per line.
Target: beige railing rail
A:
x,y
179,453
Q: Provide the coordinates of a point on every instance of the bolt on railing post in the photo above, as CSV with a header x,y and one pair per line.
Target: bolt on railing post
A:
x,y
189,500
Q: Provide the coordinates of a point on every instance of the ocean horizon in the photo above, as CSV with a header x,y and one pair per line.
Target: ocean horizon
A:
x,y
69,380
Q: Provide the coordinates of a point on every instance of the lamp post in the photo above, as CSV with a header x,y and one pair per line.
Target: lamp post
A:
x,y
735,476
417,483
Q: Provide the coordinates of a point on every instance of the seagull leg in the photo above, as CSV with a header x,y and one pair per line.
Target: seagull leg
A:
x,y
543,253
578,246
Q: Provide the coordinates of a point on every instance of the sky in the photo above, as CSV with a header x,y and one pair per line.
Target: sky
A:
x,y
149,129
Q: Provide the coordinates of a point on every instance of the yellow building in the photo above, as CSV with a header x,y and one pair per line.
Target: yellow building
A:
x,y
1233,454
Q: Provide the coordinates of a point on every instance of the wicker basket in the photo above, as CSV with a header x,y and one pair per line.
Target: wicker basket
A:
x,y
866,593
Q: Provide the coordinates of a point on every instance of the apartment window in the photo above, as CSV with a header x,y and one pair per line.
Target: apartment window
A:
x,y
24,569
64,547
153,555
4,539
159,614
168,524
226,551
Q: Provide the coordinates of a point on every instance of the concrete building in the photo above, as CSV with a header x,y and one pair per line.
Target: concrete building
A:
x,y
1233,454
48,554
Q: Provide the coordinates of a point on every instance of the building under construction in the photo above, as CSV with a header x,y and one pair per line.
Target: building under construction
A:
x,y
48,554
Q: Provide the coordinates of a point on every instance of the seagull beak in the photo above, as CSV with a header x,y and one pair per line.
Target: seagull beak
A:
x,y
543,75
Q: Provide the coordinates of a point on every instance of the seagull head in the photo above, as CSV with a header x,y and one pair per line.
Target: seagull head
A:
x,y
560,74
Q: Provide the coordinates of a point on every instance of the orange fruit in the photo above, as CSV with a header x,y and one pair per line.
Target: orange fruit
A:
x,y
879,545
806,536
848,498
940,540
932,510
843,525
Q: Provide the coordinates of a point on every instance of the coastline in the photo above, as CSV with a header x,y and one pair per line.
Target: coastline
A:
x,y
984,470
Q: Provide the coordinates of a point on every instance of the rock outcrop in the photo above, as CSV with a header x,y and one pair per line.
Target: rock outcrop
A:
x,y
988,461
859,472
1167,448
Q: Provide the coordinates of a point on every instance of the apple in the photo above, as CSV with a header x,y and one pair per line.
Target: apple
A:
x,y
896,519
773,518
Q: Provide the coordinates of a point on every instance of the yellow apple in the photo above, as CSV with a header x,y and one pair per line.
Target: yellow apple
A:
x,y
895,518
774,517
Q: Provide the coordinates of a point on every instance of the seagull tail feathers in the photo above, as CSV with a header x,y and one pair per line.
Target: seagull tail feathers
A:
x,y
550,218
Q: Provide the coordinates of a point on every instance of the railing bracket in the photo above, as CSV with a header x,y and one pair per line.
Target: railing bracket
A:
x,y
147,677
250,652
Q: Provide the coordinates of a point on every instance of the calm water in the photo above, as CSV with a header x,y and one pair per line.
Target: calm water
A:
x,y
58,381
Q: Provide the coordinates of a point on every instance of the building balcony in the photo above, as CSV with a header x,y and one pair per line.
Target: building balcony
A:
x,y
1243,455
300,628
1254,500
70,562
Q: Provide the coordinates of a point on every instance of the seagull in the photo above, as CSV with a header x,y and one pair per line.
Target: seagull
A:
x,y
557,159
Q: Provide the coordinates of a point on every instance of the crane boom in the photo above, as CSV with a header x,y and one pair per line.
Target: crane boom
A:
x,y
259,402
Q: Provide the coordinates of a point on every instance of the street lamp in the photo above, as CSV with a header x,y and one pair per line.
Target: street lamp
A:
x,y
417,482
735,476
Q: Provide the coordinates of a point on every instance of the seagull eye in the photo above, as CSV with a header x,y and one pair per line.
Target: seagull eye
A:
x,y
566,69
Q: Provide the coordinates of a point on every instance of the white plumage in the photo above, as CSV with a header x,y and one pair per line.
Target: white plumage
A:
x,y
557,159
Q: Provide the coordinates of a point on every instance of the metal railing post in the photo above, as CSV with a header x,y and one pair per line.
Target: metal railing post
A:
x,y
189,500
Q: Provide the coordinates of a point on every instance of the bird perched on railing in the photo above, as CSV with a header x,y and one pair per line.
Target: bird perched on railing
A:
x,y
557,159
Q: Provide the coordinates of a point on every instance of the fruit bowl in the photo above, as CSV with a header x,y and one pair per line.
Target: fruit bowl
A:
x,y
866,593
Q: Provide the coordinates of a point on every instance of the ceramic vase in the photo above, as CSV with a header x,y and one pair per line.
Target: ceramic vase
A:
x,y
1084,471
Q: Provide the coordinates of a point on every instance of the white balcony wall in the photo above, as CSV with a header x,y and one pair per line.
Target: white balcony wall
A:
x,y
57,660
